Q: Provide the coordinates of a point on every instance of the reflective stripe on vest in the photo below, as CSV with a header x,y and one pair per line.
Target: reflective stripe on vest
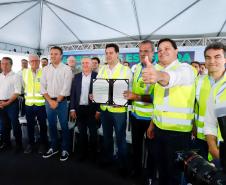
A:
x,y
173,107
120,72
220,103
203,88
168,108
219,95
220,109
32,88
36,94
141,109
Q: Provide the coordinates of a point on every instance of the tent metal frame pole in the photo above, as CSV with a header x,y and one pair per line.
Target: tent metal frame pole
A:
x,y
91,20
27,9
63,23
40,23
136,17
16,2
222,27
171,19
23,49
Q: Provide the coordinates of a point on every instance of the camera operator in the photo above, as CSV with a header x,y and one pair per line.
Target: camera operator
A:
x,y
215,54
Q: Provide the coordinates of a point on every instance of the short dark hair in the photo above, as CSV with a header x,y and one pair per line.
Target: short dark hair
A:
x,y
97,59
173,43
216,46
195,62
148,42
24,60
203,64
125,62
45,59
58,48
112,45
9,59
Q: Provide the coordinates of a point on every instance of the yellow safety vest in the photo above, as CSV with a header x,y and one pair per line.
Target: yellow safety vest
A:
x,y
141,109
219,95
32,88
120,72
173,107
203,87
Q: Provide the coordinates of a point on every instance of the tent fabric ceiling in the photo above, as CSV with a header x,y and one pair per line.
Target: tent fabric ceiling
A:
x,y
39,23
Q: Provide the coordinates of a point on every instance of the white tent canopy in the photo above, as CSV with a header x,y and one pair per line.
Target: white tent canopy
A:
x,y
39,23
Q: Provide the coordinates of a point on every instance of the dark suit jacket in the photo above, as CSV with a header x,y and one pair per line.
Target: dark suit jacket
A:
x,y
76,91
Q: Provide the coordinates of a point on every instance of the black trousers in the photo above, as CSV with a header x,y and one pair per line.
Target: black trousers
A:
x,y
5,129
201,147
139,128
167,143
39,112
86,120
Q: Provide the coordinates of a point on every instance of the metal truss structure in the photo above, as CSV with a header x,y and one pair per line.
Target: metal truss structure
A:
x,y
132,44
58,11
19,49
101,45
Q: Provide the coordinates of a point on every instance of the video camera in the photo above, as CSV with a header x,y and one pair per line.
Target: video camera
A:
x,y
197,170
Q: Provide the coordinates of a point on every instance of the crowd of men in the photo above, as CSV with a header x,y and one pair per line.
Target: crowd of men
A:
x,y
174,105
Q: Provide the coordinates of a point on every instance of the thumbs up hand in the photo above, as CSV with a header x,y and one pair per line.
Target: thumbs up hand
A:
x,y
147,62
149,74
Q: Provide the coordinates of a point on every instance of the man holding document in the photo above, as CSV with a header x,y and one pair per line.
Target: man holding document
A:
x,y
114,116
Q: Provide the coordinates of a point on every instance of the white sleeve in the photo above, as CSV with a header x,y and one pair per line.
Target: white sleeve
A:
x,y
43,82
183,75
210,120
66,87
17,84
130,77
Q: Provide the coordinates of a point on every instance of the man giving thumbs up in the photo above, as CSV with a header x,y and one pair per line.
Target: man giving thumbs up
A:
x,y
174,95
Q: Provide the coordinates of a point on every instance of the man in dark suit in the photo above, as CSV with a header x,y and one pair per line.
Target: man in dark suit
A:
x,y
83,110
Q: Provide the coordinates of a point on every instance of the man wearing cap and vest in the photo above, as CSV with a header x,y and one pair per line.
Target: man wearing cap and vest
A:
x,y
34,104
114,116
174,95
203,88
141,111
215,55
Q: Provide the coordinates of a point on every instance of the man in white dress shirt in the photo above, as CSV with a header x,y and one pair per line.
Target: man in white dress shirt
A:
x,y
9,108
83,110
216,104
114,117
55,87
